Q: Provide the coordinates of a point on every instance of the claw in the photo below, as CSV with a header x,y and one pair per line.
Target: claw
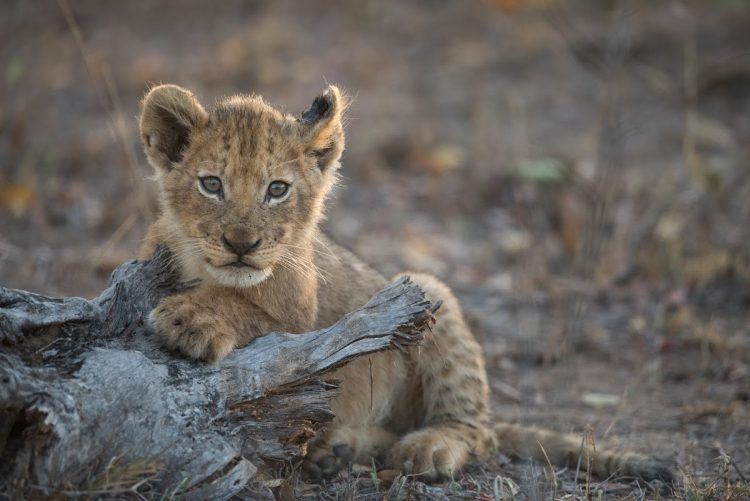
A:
x,y
436,306
343,452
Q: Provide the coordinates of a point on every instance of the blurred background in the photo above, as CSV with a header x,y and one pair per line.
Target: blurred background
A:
x,y
576,170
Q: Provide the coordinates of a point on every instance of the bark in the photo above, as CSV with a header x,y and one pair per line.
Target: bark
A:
x,y
103,409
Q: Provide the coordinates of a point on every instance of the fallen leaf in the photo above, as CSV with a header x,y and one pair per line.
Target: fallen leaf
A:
x,y
600,399
543,170
17,198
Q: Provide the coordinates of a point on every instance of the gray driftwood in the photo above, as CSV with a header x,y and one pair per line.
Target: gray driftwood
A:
x,y
91,404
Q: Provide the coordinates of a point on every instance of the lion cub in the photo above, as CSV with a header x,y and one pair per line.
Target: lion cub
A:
x,y
242,190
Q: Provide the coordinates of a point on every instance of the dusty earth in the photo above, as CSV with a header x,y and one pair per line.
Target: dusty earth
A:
x,y
578,171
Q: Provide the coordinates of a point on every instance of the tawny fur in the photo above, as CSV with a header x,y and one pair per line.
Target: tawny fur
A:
x,y
425,411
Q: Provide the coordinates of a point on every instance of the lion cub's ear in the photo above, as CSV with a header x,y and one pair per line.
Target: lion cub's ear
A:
x,y
170,115
322,129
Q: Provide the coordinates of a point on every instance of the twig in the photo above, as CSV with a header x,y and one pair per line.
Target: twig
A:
x,y
116,236
552,468
618,412
109,97
721,451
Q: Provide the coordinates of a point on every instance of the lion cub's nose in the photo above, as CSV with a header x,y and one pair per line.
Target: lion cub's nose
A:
x,y
239,242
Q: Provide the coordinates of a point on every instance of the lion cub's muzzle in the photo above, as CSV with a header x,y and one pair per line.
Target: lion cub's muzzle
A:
x,y
240,241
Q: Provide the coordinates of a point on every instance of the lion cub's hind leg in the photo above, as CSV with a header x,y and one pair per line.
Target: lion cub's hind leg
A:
x,y
454,394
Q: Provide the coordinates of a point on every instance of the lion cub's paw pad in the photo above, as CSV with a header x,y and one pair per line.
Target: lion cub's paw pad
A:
x,y
329,464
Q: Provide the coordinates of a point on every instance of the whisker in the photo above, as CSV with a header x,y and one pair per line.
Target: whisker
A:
x,y
317,251
324,244
303,267
297,267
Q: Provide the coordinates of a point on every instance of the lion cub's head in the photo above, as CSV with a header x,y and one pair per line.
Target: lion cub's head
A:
x,y
242,185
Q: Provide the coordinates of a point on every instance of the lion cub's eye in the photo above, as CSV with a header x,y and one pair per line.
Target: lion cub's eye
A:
x,y
211,185
278,189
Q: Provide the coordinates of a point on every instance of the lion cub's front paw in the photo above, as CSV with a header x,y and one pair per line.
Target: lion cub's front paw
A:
x,y
193,329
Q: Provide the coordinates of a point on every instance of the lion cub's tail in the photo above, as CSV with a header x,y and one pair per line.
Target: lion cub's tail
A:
x,y
565,450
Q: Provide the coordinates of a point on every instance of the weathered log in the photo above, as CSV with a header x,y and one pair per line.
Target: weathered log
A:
x,y
103,409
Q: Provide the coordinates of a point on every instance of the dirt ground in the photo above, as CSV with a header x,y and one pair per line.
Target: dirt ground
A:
x,y
576,170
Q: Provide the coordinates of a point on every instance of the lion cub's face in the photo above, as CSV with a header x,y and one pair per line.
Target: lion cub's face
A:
x,y
242,184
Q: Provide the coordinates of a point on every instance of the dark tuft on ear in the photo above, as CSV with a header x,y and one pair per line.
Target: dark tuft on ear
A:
x,y
320,106
322,127
170,116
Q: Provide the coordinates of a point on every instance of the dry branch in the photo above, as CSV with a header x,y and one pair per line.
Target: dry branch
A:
x,y
103,408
